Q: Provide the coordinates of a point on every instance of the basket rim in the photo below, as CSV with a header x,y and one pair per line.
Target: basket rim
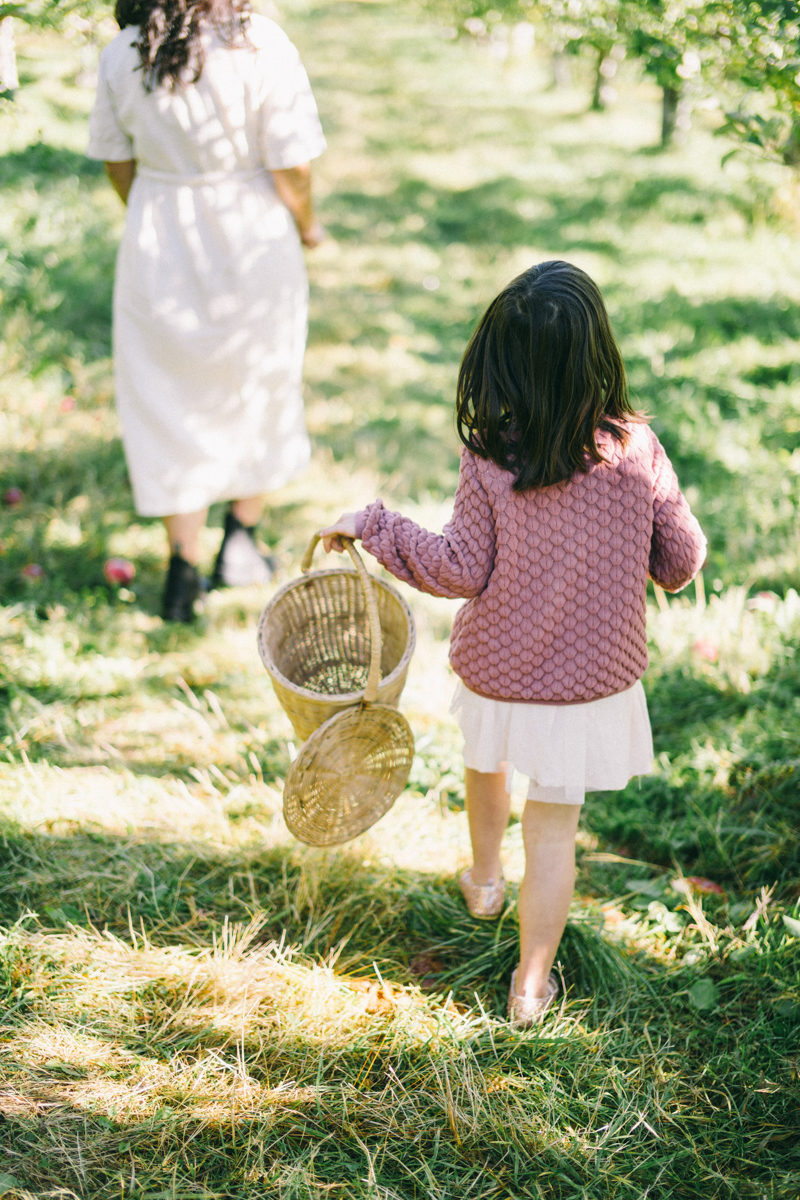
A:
x,y
334,697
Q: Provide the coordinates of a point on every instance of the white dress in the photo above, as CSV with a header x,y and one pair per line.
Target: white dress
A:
x,y
575,748
211,294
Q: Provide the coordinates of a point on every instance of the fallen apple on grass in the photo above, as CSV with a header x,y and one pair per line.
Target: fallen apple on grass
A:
x,y
119,571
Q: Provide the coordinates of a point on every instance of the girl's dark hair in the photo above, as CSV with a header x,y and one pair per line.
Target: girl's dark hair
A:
x,y
541,375
169,34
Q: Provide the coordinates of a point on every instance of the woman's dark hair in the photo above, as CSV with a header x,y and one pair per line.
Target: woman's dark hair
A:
x,y
169,34
541,375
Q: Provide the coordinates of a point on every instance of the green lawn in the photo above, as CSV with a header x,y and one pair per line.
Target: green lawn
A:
x,y
194,1005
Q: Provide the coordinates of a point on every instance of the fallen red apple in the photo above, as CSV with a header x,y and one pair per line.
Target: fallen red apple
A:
x,y
705,649
705,885
119,570
13,496
33,571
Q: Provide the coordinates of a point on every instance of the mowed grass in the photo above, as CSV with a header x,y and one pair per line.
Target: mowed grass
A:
x,y
194,1005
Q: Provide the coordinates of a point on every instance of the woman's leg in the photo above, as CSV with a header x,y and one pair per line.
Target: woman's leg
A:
x,y
183,584
249,511
546,891
488,809
183,531
240,563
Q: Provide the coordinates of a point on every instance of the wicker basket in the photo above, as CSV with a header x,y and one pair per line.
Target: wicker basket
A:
x,y
355,763
314,640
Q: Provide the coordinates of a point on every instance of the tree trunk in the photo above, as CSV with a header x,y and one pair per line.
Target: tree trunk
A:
x,y
675,115
9,79
597,94
669,114
791,150
605,70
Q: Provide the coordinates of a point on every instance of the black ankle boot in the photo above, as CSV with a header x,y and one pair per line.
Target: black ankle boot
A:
x,y
182,588
240,563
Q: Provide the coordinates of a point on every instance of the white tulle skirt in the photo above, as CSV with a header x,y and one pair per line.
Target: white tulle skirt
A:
x,y
576,748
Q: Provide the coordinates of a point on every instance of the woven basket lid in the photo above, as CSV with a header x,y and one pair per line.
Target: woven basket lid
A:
x,y
348,774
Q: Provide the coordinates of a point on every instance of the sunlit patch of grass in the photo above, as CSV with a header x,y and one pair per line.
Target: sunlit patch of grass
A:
x,y
733,640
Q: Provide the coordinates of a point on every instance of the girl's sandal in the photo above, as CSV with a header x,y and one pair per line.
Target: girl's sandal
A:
x,y
525,1011
484,901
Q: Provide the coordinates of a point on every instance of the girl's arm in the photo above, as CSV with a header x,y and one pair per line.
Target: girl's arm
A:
x,y
678,546
455,563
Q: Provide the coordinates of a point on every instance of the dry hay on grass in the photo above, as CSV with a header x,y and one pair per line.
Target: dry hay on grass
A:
x,y
159,1046
232,989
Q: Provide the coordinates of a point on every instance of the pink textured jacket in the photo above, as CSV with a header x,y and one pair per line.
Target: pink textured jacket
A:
x,y
555,577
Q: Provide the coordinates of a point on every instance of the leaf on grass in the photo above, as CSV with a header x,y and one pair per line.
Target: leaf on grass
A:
x,y
8,1183
704,994
793,925
645,887
740,911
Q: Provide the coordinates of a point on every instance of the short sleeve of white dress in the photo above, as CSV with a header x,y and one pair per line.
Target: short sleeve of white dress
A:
x,y
290,131
107,140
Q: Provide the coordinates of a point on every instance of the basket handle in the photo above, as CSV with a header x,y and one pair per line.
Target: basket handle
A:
x,y
373,617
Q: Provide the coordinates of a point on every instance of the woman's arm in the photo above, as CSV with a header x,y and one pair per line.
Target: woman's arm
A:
x,y
293,185
122,175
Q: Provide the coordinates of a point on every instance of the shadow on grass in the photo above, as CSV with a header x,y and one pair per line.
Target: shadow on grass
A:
x,y
57,286
376,914
702,323
506,1094
742,837
494,213
743,834
93,474
41,165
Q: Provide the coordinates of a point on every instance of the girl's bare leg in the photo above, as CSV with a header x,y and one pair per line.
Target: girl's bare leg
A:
x,y
488,810
546,891
249,511
183,531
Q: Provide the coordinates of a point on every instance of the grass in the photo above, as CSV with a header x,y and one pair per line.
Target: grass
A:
x,y
193,1005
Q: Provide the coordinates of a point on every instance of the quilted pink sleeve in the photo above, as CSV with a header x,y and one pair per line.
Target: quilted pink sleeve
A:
x,y
455,563
678,546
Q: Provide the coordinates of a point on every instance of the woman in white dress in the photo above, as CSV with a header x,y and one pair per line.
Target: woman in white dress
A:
x,y
205,120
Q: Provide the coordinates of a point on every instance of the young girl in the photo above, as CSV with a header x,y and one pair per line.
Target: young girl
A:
x,y
566,502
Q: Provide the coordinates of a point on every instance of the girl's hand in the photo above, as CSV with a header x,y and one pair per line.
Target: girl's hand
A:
x,y
344,527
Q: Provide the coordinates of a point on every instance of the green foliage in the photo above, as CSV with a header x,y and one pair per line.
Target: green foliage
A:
x,y
762,47
51,14
676,40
